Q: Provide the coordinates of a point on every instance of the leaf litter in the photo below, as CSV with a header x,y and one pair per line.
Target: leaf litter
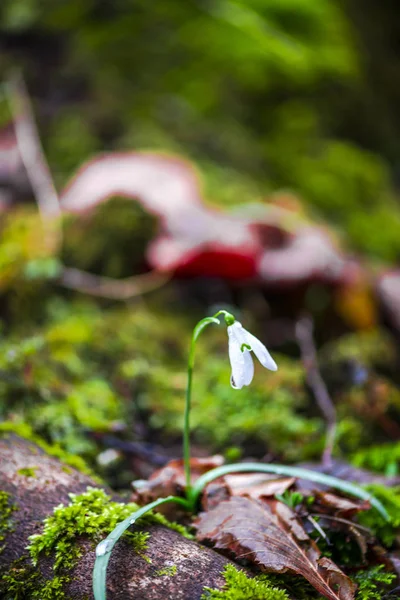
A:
x,y
274,542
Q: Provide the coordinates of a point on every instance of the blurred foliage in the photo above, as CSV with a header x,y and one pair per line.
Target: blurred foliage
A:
x,y
89,370
375,347
262,94
22,240
361,372
114,238
373,583
390,498
383,458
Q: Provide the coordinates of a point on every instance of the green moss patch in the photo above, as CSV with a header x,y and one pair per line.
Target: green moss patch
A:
x,y
373,583
240,587
390,498
92,515
382,458
27,471
167,571
6,510
23,581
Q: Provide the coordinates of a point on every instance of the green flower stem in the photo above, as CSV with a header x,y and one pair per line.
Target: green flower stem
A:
x,y
186,427
101,562
333,482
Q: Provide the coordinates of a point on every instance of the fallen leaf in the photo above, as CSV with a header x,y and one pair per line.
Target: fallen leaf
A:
x,y
249,529
253,485
288,518
170,480
339,506
257,485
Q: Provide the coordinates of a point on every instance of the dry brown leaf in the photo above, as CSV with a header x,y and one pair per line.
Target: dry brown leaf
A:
x,y
170,480
253,485
337,505
257,485
249,529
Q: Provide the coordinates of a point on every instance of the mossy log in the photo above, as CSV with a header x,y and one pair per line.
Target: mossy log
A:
x,y
36,483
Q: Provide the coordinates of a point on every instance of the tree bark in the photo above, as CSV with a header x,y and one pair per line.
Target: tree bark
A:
x,y
129,575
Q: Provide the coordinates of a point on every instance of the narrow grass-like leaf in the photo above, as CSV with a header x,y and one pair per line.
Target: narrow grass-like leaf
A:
x,y
333,482
104,549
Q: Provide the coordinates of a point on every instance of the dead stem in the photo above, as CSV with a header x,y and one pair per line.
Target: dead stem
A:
x,y
304,336
34,160
115,289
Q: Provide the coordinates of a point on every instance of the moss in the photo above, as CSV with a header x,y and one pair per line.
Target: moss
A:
x,y
6,510
168,571
123,253
64,378
139,541
383,458
390,498
85,364
270,413
22,240
22,581
240,587
373,583
52,589
371,348
93,404
67,470
92,515
27,471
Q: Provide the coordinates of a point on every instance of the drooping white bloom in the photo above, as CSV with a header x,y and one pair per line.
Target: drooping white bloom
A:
x,y
241,343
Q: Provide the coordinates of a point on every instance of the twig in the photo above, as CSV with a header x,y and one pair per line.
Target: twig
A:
x,y
115,289
318,528
141,450
33,158
304,336
352,524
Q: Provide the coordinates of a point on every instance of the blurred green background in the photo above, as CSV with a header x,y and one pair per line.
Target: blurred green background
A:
x,y
261,94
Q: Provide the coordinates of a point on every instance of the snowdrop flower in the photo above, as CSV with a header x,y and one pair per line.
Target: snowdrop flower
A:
x,y
241,343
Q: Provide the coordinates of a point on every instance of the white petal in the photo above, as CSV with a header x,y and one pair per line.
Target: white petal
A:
x,y
237,363
248,367
241,362
260,351
237,331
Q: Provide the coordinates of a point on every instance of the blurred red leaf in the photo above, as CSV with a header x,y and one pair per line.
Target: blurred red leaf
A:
x,y
249,529
193,237
309,254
